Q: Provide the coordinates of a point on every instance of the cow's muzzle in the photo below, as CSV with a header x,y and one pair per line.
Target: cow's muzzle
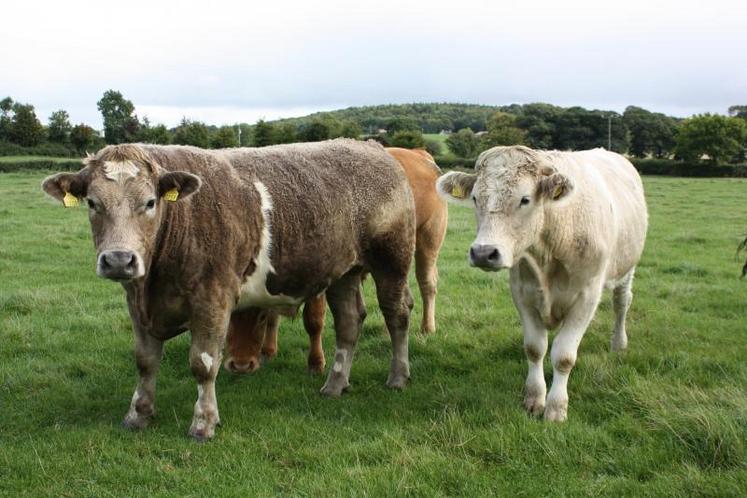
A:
x,y
120,265
486,257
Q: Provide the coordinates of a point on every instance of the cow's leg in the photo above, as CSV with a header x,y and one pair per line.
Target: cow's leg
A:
x,y
429,238
528,296
343,297
246,334
270,344
396,303
622,296
426,273
148,351
313,321
535,347
209,325
565,349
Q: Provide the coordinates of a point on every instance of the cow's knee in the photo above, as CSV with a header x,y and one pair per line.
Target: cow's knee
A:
x,y
564,362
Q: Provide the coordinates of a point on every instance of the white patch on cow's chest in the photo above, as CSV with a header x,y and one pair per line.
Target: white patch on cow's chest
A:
x,y
119,171
254,289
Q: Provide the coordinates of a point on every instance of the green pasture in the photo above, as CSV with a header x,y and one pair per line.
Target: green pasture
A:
x,y
666,418
441,139
23,159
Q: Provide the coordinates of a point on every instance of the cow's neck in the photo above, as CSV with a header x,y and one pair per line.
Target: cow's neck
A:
x,y
139,291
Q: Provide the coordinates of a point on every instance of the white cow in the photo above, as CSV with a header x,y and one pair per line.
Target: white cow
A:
x,y
566,224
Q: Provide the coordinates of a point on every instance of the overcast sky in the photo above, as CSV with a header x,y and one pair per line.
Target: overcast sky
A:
x,y
225,62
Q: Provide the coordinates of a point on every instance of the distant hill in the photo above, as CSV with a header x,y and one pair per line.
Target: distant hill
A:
x,y
429,117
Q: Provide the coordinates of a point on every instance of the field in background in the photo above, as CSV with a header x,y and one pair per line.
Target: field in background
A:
x,y
441,139
19,159
668,417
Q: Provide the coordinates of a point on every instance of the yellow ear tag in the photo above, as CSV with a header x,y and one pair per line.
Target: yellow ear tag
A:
x,y
70,201
171,195
457,192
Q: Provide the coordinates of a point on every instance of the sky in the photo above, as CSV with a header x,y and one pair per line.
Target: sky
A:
x,y
226,62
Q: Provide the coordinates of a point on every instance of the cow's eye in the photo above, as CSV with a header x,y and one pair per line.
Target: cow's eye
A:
x,y
91,204
524,201
150,204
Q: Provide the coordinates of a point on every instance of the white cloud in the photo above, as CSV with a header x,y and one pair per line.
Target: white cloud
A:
x,y
194,58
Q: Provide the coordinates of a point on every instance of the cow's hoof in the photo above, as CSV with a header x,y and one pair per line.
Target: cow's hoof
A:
x,y
201,435
397,381
202,432
618,345
556,411
135,422
427,329
535,405
334,389
316,368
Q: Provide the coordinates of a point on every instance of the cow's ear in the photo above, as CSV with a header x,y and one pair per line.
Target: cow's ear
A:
x,y
456,187
178,185
555,187
67,188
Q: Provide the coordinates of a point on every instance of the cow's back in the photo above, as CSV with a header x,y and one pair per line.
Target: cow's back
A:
x,y
422,173
329,201
607,212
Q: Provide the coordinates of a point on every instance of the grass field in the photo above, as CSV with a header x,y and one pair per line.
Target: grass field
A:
x,y
668,417
441,139
18,159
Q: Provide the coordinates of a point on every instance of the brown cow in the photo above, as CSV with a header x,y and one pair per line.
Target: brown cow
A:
x,y
252,332
193,235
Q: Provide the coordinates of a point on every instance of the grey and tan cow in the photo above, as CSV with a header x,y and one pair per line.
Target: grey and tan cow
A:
x,y
566,224
193,235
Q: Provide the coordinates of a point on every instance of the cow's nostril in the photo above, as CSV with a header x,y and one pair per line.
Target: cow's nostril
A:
x,y
472,253
132,262
493,256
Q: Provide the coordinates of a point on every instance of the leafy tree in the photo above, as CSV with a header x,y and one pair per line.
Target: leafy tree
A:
x,y
81,136
59,127
25,128
433,147
650,133
264,134
120,125
408,139
401,124
720,138
579,129
192,133
463,143
6,106
738,111
502,130
245,135
316,131
350,129
224,137
285,133
540,123
150,134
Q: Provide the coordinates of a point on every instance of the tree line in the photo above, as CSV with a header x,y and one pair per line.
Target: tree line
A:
x,y
470,129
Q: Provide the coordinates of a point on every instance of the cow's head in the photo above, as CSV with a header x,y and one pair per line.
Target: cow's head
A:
x,y
510,190
126,193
